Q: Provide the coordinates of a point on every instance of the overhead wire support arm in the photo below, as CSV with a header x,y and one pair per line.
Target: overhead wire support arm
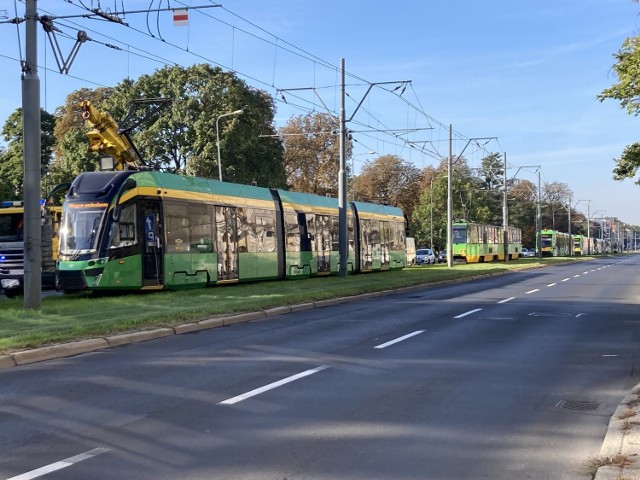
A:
x,y
50,29
371,85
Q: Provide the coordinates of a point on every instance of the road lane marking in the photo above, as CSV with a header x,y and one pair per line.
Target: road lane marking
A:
x,y
576,276
271,386
565,279
399,339
53,467
533,291
468,313
507,300
552,284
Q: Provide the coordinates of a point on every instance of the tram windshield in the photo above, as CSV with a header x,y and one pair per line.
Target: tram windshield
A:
x,y
80,226
459,234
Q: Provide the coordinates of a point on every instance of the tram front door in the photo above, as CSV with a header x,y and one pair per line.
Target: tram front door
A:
x,y
152,250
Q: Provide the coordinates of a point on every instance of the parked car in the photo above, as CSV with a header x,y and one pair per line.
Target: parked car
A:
x,y
442,256
524,252
425,256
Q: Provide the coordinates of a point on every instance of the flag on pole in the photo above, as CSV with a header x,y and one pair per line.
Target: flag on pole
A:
x,y
180,17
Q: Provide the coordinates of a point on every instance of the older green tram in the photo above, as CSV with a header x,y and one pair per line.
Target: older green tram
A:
x,y
555,244
475,242
145,230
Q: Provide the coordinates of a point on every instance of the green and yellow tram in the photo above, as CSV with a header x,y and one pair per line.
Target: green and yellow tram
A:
x,y
145,230
554,243
476,242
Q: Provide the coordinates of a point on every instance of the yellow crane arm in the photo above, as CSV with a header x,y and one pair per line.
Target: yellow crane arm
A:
x,y
104,137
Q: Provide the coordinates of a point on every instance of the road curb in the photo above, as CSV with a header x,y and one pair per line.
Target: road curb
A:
x,y
59,351
136,337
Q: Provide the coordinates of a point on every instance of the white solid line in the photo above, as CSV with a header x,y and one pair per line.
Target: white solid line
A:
x,y
271,386
533,291
399,339
507,300
468,313
39,472
551,284
565,279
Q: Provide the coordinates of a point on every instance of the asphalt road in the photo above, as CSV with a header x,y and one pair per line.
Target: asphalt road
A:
x,y
509,377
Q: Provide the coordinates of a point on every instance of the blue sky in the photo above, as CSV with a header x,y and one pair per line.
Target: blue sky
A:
x,y
525,72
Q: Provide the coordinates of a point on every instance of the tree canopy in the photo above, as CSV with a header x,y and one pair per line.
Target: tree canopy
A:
x,y
389,179
182,138
312,153
627,91
12,159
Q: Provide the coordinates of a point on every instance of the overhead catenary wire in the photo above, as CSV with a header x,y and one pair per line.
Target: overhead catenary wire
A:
x,y
295,101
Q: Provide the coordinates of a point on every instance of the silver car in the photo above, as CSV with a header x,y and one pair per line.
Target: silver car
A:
x,y
425,256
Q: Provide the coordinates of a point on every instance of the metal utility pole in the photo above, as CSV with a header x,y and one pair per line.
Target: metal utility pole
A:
x,y
505,213
32,162
569,227
342,180
450,201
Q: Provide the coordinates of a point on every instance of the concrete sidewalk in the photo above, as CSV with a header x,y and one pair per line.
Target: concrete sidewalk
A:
x,y
619,455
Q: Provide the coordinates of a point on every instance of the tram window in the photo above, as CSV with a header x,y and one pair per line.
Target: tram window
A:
x,y
124,233
201,227
292,229
177,225
265,231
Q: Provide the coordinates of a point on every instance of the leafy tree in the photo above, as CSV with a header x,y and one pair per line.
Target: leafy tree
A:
x,y
312,153
183,138
523,209
433,200
12,161
556,197
389,179
627,92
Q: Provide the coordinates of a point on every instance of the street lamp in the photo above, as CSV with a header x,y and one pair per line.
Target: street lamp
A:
x,y
236,112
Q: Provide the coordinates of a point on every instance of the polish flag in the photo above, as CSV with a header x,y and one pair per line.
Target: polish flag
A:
x,y
180,17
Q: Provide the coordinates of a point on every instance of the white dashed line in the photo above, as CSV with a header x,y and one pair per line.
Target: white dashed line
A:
x,y
565,279
468,313
576,276
533,291
53,467
507,300
399,339
551,284
273,385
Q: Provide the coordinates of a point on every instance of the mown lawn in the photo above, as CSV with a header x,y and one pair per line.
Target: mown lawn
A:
x,y
73,317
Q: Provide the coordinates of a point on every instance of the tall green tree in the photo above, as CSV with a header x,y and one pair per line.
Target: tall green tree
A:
x,y
430,213
627,91
182,139
12,161
312,153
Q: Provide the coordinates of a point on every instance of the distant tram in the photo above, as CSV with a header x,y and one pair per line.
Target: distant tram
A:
x,y
144,230
476,242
